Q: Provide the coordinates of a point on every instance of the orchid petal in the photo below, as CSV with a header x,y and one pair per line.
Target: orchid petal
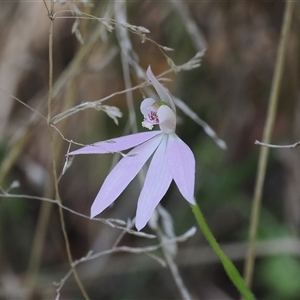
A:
x,y
181,162
156,184
122,174
161,91
117,144
146,103
167,119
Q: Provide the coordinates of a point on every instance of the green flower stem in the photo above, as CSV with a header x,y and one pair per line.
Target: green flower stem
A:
x,y
229,267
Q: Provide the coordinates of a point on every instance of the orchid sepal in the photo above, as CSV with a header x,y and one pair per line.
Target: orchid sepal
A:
x,y
172,159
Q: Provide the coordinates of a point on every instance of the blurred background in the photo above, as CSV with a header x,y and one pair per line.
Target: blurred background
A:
x,y
229,91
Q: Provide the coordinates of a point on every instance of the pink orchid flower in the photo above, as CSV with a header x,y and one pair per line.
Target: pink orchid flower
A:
x,y
172,159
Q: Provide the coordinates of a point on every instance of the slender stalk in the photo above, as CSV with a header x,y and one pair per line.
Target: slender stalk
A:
x,y
63,227
264,151
54,172
229,267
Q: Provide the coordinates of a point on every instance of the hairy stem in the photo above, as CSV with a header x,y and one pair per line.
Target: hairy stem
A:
x,y
229,267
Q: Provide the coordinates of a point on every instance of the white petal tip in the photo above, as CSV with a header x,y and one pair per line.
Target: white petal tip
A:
x,y
139,225
93,214
191,200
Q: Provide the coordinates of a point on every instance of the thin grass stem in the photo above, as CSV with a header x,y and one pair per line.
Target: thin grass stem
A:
x,y
54,172
264,151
